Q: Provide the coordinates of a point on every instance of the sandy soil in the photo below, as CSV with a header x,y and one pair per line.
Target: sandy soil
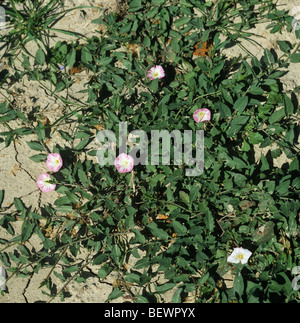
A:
x,y
18,173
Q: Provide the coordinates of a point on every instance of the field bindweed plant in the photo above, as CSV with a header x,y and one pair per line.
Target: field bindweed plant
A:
x,y
161,65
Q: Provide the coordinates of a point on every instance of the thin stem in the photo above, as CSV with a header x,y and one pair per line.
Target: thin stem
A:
x,y
56,262
85,263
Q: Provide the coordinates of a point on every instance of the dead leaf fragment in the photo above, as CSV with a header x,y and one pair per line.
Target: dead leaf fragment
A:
x,y
202,49
163,217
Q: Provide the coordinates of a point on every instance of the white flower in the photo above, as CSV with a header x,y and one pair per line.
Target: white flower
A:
x,y
239,255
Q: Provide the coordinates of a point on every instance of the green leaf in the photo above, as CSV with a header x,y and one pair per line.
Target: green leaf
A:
x,y
255,138
82,144
63,200
40,131
185,3
83,178
276,153
179,228
1,196
253,291
157,2
133,278
5,259
142,299
289,107
283,187
275,287
165,287
238,284
139,238
39,57
277,115
38,158
27,230
60,86
194,193
35,145
116,292
10,115
3,107
126,28
209,221
236,124
147,41
135,3
71,269
71,58
154,85
239,179
284,46
294,166
86,56
157,232
104,61
255,90
175,46
270,56
113,117
177,296
111,205
225,111
217,69
264,163
65,135
184,197
203,279
236,163
116,254
19,204
182,21
295,58
64,208
241,104
105,270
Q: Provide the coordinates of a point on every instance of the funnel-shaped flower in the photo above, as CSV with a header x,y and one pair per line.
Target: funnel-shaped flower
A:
x,y
124,163
156,72
43,183
201,115
54,162
239,255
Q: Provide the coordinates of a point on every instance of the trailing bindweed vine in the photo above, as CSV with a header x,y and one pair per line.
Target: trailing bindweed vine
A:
x,y
164,227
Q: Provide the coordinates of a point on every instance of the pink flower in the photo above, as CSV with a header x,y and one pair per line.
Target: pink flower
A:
x,y
54,162
43,183
124,163
156,72
201,115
